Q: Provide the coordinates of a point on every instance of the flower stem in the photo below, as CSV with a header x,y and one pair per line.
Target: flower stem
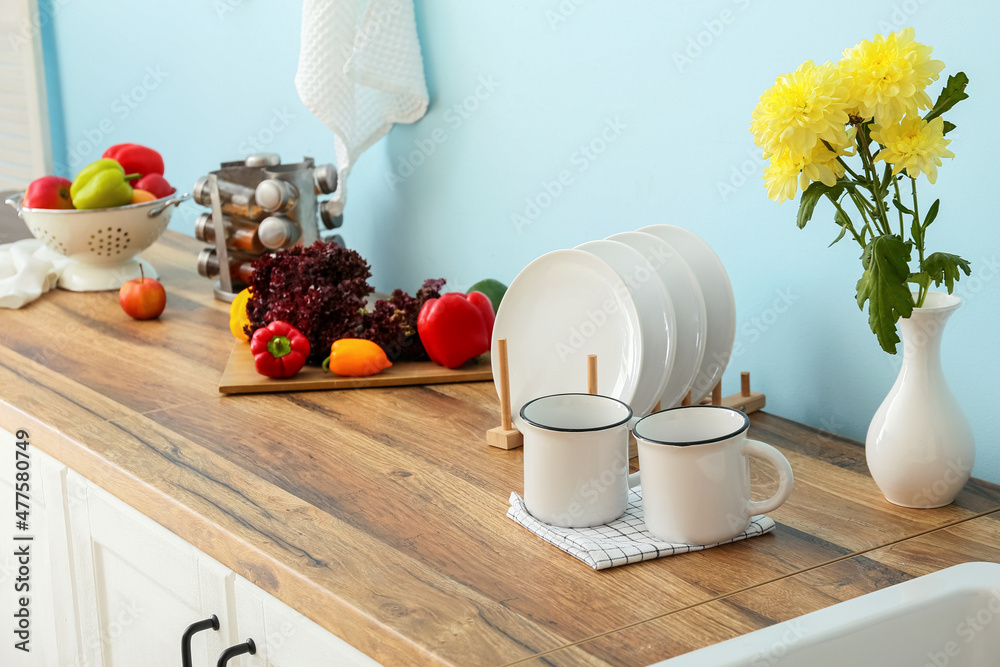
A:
x,y
872,173
895,185
864,208
919,242
850,225
848,169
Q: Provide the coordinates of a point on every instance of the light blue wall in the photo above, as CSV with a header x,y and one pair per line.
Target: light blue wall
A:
x,y
560,78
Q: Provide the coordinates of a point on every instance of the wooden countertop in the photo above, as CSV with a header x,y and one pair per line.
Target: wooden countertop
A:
x,y
380,513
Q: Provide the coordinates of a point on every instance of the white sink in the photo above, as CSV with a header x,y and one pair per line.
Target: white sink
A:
x,y
949,618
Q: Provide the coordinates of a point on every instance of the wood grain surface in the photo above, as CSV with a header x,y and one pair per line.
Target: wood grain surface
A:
x,y
787,598
380,513
240,376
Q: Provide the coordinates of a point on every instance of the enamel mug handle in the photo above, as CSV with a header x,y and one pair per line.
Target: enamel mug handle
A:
x,y
785,480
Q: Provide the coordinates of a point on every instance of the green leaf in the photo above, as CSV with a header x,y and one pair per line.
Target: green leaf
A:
x,y
921,279
952,93
898,204
917,232
886,179
943,267
932,213
843,231
948,127
812,195
845,222
884,286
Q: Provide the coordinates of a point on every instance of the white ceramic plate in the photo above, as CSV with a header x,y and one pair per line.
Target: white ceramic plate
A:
x,y
560,308
719,303
656,315
689,310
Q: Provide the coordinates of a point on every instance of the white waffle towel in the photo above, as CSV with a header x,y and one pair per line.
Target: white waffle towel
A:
x,y
625,540
360,71
27,270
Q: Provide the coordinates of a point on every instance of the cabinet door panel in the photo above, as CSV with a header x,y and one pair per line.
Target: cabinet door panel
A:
x,y
147,586
286,638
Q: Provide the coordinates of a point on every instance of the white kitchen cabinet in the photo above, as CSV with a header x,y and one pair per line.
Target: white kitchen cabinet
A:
x,y
112,588
139,585
286,638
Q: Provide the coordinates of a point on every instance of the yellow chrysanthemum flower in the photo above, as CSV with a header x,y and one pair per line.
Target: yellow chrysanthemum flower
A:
x,y
786,174
887,76
913,144
800,109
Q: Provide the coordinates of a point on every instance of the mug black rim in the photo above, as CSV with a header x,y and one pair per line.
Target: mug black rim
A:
x,y
575,430
742,429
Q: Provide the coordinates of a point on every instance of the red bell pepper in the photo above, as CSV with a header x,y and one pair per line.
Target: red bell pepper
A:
x,y
136,159
155,185
456,327
279,350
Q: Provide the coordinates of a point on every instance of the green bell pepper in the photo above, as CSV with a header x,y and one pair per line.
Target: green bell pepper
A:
x,y
102,184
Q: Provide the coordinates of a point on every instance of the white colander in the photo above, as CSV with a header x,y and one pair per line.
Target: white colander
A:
x,y
102,242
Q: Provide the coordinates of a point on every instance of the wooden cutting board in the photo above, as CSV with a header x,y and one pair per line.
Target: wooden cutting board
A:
x,y
240,377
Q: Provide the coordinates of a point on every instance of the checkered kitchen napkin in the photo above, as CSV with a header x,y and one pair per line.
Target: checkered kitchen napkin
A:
x,y
622,541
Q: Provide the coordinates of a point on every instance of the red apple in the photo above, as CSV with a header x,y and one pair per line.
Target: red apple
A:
x,y
48,192
142,298
156,184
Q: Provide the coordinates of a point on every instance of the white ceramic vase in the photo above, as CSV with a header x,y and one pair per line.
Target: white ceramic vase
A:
x,y
919,446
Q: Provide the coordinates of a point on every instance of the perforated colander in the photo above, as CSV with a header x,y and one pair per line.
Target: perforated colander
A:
x,y
103,242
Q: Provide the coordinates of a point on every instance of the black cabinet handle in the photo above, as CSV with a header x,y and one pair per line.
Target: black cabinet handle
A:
x,y
239,649
192,630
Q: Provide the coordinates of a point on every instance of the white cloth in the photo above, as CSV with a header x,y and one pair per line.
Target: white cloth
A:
x,y
625,540
360,70
27,270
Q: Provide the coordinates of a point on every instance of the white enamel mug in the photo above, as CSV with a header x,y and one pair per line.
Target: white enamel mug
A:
x,y
576,459
695,471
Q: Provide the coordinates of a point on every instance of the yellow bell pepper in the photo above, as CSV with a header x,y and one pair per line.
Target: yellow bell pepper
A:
x,y
238,318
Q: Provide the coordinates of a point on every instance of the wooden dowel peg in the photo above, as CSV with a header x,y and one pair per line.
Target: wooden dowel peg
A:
x,y
591,373
505,420
717,394
745,400
687,399
505,436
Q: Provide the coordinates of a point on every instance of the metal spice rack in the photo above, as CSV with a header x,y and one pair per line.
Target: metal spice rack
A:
x,y
257,206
